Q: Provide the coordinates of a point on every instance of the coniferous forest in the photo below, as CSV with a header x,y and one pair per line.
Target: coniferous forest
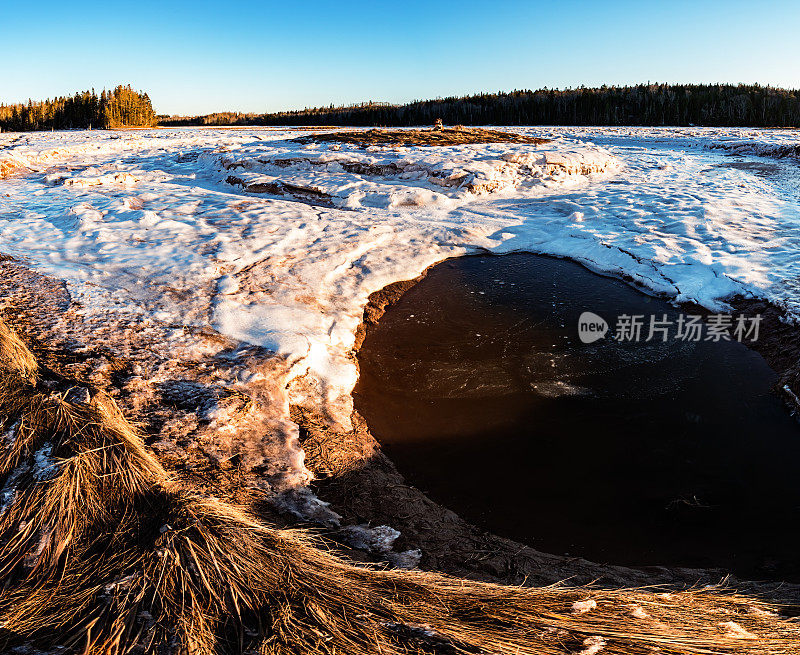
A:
x,y
644,104
118,108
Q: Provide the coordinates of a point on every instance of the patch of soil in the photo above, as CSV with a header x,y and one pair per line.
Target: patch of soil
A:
x,y
451,136
305,194
182,405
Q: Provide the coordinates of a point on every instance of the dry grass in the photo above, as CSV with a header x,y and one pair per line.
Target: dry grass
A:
x,y
101,553
15,358
446,137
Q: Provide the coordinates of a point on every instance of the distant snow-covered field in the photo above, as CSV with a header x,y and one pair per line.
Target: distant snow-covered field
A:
x,y
159,226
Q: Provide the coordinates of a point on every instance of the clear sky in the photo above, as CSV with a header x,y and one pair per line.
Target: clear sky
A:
x,y
196,56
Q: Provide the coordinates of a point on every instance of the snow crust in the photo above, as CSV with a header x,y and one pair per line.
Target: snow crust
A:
x,y
735,631
279,243
406,177
583,606
593,645
380,540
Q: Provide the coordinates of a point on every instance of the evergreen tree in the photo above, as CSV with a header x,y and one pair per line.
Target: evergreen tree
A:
x,y
118,108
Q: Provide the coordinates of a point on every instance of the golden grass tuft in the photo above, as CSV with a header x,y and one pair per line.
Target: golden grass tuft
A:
x,y
15,358
102,553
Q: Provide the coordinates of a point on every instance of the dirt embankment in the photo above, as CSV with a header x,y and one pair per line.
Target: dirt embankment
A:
x,y
778,343
449,136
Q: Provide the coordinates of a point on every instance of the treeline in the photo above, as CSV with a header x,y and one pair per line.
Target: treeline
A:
x,y
239,118
117,108
645,104
217,118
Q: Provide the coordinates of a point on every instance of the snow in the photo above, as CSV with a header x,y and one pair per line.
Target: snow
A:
x,y
8,493
44,466
158,226
761,612
583,606
380,540
406,177
734,631
10,434
593,645
305,505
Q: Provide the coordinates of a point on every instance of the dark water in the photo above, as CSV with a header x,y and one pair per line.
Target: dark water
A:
x,y
673,453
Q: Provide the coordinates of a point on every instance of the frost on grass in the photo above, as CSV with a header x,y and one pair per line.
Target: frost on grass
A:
x,y
592,645
583,606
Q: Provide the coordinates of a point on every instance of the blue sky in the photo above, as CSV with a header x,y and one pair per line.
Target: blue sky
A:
x,y
257,55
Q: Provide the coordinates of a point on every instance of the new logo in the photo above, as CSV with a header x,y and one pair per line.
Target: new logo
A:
x,y
591,327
